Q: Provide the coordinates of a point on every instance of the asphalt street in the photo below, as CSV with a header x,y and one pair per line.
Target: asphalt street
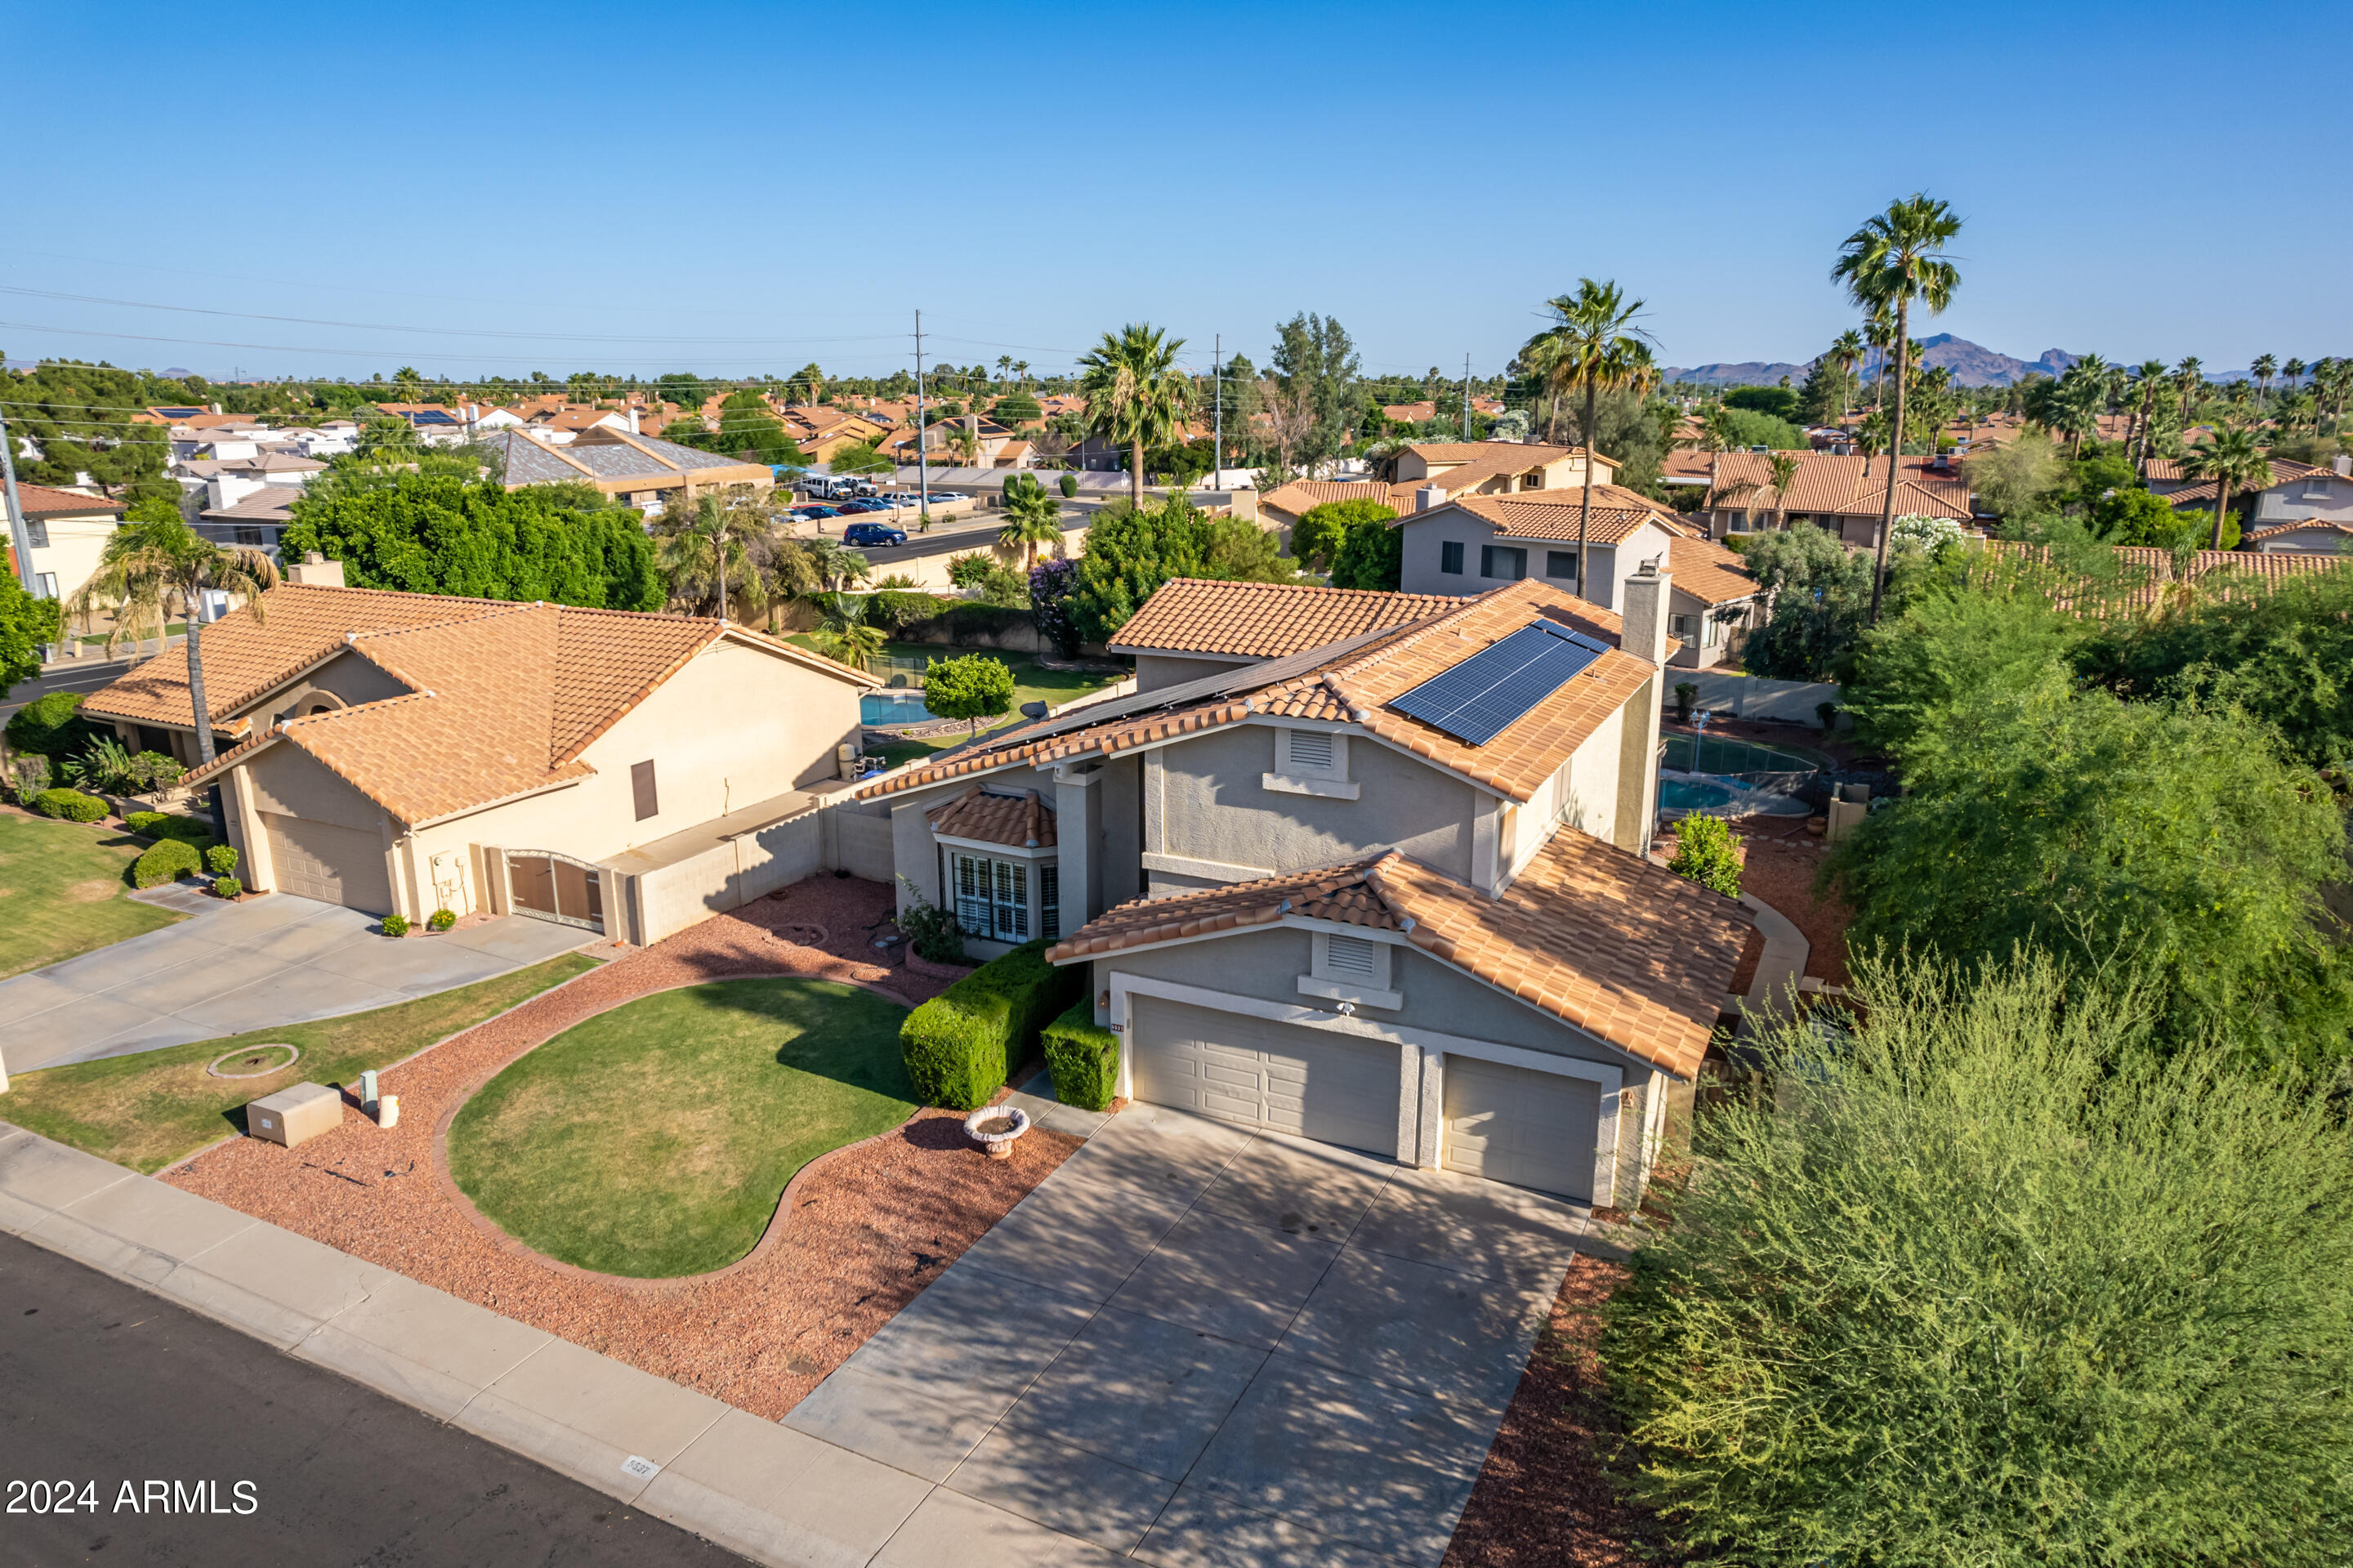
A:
x,y
111,1392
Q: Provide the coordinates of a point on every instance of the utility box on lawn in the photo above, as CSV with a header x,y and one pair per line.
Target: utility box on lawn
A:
x,y
295,1116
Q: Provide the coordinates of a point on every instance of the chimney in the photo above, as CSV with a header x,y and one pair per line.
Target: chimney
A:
x,y
633,420
1428,496
1644,613
2343,464
315,571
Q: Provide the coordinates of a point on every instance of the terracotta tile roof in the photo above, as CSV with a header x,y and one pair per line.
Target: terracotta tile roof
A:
x,y
1302,495
1355,687
1827,484
502,697
1264,621
40,501
1410,413
1017,818
2297,525
2201,492
1604,940
1709,572
2166,471
1556,514
2218,574
1529,453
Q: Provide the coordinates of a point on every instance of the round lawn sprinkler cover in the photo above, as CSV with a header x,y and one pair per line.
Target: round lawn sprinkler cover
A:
x,y
995,1127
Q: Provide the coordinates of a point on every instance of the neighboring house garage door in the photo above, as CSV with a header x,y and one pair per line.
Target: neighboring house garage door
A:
x,y
1530,1128
1330,1087
320,860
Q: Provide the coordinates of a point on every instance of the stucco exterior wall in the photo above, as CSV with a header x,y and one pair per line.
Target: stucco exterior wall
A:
x,y
348,678
2325,496
1583,793
1214,809
1156,671
71,555
1427,533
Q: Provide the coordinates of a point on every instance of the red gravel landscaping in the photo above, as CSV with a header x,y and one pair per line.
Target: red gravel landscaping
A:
x,y
871,1225
1782,862
1544,1498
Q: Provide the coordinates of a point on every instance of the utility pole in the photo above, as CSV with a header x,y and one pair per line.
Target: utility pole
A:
x,y
1466,397
1218,391
18,534
923,466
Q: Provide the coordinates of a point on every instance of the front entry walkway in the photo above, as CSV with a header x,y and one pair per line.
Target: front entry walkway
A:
x,y
1194,1344
252,965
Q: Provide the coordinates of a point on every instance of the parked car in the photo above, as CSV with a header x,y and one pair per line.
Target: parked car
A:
x,y
873,534
850,506
816,514
941,498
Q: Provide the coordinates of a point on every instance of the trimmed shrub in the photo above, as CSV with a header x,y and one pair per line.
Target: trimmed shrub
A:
x,y
220,859
227,887
168,860
441,919
395,925
70,805
1707,851
50,727
1083,1057
1068,484
959,1045
187,829
145,822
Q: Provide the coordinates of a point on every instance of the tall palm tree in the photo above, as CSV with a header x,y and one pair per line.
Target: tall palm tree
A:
x,y
2294,373
1784,466
2229,458
2264,367
1895,257
2190,375
710,552
1593,344
1032,520
1135,393
2148,377
1847,351
1714,436
148,568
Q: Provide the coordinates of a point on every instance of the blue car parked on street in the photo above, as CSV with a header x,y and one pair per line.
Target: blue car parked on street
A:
x,y
873,534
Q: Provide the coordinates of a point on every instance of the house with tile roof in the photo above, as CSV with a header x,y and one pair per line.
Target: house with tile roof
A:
x,y
639,471
1378,877
401,753
1470,543
1842,493
2303,508
822,429
68,531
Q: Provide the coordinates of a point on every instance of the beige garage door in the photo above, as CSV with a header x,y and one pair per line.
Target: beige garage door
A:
x,y
1260,1074
1530,1128
320,860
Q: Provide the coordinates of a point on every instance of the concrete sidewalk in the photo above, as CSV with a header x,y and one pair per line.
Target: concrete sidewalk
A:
x,y
756,1487
279,959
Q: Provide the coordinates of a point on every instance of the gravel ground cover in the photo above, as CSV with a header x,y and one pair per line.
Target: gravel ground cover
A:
x,y
1783,860
653,1140
866,1228
1545,1498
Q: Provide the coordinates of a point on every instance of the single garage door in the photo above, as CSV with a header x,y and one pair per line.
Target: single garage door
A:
x,y
1530,1128
1261,1074
320,860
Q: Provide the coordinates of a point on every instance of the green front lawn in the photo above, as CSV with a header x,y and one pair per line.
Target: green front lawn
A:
x,y
149,1109
63,892
655,1140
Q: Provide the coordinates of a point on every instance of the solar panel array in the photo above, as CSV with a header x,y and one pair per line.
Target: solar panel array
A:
x,y
1486,694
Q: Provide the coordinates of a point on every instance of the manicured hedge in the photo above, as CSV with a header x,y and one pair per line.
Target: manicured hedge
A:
x,y
169,825
71,805
167,861
51,727
1083,1057
959,1045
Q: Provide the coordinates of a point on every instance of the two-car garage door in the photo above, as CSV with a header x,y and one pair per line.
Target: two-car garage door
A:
x,y
1329,1088
337,865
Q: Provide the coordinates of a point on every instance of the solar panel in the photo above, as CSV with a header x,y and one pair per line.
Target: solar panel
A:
x,y
1486,694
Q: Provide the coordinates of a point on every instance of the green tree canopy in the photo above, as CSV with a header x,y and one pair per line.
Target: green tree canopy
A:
x,y
27,621
1131,551
1372,556
77,418
972,688
1015,410
438,532
1316,537
1821,596
1780,402
1314,357
2017,477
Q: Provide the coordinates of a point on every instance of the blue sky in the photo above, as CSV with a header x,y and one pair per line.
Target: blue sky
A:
x,y
739,189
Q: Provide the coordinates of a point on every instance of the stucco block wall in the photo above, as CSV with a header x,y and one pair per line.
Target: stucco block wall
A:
x,y
1214,806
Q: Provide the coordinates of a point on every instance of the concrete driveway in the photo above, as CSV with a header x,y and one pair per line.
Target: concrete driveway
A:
x,y
1195,1345
279,959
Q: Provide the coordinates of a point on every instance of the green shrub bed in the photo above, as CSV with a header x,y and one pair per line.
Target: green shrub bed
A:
x,y
1084,1056
168,860
70,805
960,1045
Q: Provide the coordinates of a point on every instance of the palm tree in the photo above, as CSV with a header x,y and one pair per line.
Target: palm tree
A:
x,y
1005,367
2229,458
1021,374
1878,331
2190,376
2148,376
836,563
1032,520
1135,394
2294,371
1714,436
2264,367
146,568
708,553
1785,469
1593,344
1895,257
848,637
1847,351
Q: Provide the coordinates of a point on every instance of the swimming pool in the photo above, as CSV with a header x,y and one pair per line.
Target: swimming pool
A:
x,y
1722,797
1725,754
892,707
